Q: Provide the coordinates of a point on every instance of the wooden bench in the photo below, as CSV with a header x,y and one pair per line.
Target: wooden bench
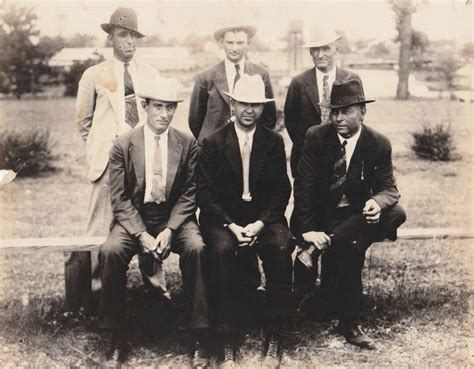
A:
x,y
77,278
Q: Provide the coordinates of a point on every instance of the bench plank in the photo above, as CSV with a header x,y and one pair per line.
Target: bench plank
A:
x,y
65,244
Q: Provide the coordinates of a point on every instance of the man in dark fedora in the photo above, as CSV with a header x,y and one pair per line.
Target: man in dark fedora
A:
x,y
243,191
210,108
311,87
107,107
152,186
345,199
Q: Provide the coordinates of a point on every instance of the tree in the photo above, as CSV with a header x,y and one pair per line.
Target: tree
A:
x,y
403,13
21,60
81,40
467,51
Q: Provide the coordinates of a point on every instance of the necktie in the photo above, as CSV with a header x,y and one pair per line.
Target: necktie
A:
x,y
131,112
237,75
246,195
326,100
338,179
157,188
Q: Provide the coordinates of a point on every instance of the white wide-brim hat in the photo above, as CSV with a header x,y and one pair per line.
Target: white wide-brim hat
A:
x,y
249,89
320,38
159,88
250,30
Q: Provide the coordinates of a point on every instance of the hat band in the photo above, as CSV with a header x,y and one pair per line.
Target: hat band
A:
x,y
348,100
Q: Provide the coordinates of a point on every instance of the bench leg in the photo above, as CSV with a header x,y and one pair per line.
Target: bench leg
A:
x,y
77,273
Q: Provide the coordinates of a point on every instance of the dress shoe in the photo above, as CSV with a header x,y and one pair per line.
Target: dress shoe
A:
x,y
228,361
355,335
116,354
271,360
199,356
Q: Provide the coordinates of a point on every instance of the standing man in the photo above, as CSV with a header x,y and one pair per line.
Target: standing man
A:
x,y
243,191
152,186
308,89
210,108
107,107
346,198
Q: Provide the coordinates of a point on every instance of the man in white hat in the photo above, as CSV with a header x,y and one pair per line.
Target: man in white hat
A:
x,y
106,107
310,88
152,186
209,108
243,191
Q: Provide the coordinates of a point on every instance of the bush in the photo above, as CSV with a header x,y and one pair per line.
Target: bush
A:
x,y
434,143
28,152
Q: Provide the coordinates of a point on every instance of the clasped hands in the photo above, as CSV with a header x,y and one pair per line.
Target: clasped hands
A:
x,y
248,235
322,241
159,247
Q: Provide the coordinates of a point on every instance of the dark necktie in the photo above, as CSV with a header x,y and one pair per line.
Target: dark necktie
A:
x,y
157,188
338,179
237,75
131,112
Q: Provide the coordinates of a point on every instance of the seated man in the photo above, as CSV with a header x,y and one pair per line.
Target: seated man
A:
x,y
345,199
153,187
243,190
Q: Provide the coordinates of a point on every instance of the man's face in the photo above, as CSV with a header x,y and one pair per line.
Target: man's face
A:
x,y
124,43
159,114
323,57
235,45
247,114
348,119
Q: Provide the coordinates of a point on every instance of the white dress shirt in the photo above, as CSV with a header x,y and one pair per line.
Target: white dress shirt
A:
x,y
319,79
350,148
230,72
119,71
150,145
241,135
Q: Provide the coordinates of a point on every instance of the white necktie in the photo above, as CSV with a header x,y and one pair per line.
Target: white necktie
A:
x,y
246,195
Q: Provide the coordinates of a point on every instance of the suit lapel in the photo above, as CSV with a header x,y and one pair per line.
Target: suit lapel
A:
x,y
175,149
311,88
232,150
220,81
360,156
111,85
137,154
257,157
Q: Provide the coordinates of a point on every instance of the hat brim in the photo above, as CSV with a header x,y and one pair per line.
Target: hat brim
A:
x,y
250,30
150,96
322,43
248,100
108,27
344,105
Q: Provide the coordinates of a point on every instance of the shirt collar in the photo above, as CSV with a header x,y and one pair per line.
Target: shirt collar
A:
x,y
241,133
350,140
331,74
231,66
151,134
121,64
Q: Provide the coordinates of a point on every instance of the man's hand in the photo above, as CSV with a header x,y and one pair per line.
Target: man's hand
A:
x,y
371,211
319,239
163,243
241,234
147,241
252,230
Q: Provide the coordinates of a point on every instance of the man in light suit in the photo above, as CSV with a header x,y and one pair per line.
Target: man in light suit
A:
x,y
243,191
107,107
152,187
345,199
311,87
210,108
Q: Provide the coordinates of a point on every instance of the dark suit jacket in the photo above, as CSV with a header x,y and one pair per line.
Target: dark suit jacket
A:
x,y
370,175
127,179
302,110
219,170
209,108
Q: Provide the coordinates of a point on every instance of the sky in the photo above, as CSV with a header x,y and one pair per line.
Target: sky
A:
x,y
439,19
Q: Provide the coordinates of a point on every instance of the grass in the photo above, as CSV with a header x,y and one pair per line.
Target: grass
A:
x,y
419,293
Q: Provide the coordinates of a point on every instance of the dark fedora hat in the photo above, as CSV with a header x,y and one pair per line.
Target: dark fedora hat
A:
x,y
346,93
125,18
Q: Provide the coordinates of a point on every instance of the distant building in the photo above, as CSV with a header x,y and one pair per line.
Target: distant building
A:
x,y
463,77
163,58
